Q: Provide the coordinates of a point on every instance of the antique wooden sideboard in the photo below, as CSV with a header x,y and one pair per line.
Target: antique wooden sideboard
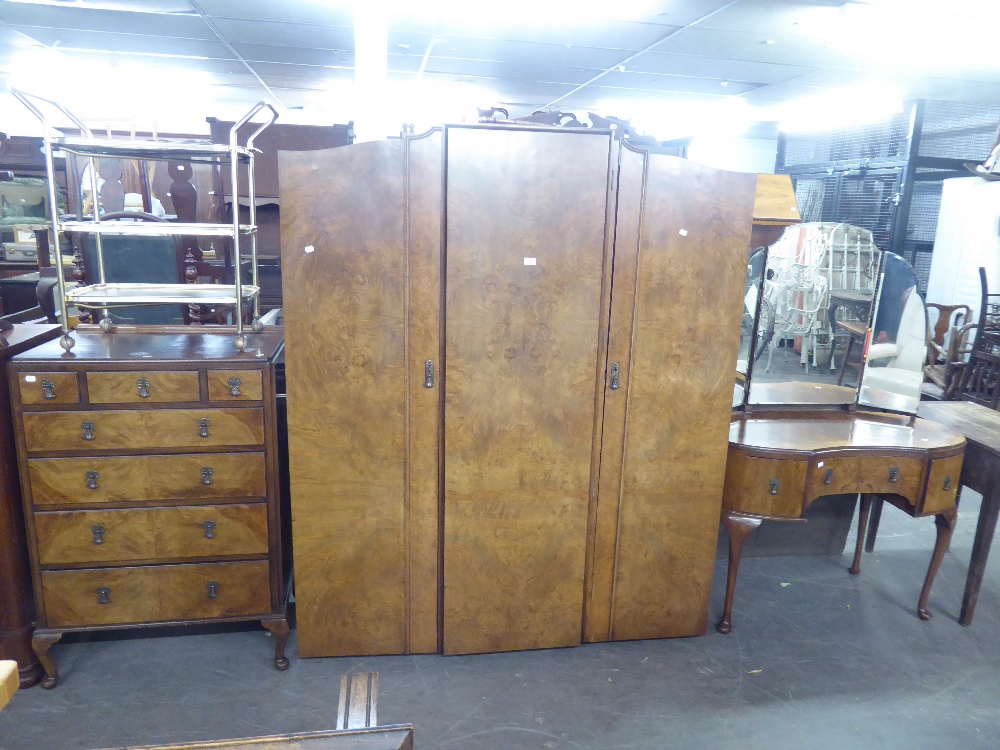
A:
x,y
488,449
148,463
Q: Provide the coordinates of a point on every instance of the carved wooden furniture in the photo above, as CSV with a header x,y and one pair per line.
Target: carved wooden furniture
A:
x,y
487,452
104,295
388,737
15,577
780,462
149,473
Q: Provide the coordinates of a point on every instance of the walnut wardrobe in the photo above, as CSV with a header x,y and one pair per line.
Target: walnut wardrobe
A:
x,y
510,355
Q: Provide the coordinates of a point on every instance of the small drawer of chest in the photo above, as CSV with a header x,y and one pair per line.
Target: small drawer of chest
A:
x,y
894,475
128,479
120,429
119,596
134,534
155,387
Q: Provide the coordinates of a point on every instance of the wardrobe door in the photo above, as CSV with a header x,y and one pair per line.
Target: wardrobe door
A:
x,y
362,426
525,249
680,268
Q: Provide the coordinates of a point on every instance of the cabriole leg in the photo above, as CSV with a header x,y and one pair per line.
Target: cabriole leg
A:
x,y
738,528
279,629
41,642
945,523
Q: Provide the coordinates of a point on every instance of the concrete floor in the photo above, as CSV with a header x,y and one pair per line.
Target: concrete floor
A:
x,y
817,659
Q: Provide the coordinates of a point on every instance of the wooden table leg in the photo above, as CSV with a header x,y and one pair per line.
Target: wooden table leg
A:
x,y
945,523
877,504
738,528
985,529
866,507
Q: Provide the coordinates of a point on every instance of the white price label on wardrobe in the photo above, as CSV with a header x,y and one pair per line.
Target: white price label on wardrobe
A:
x,y
309,248
529,262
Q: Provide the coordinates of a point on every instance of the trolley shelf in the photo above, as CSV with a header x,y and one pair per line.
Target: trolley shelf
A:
x,y
154,228
149,149
115,295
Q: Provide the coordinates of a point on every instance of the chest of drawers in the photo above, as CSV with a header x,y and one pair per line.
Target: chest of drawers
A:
x,y
150,482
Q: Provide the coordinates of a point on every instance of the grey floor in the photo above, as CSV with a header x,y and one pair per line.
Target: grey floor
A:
x,y
818,659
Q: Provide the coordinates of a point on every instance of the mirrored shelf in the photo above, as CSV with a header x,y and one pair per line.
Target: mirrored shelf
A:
x,y
149,149
154,229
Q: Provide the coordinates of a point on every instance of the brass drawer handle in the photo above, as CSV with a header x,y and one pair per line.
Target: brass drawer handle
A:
x,y
143,385
209,527
947,483
828,477
206,475
775,484
88,428
213,589
92,477
894,474
234,387
98,531
48,388
103,595
616,369
203,427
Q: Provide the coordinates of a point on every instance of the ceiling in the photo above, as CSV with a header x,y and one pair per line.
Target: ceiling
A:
x,y
674,54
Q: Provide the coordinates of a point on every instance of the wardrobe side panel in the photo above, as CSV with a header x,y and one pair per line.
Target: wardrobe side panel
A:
x,y
424,209
525,254
693,241
343,268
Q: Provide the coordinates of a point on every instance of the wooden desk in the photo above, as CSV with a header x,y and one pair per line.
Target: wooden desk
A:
x,y
981,427
15,578
389,737
780,462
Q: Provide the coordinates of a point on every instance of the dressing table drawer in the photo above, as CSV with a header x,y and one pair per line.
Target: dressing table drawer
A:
x,y
764,486
128,479
121,536
845,474
942,484
143,387
234,385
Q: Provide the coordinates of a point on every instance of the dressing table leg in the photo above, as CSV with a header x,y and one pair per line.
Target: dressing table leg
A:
x,y
866,507
873,524
945,523
738,527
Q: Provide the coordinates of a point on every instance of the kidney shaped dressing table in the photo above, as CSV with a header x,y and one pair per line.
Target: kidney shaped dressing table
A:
x,y
802,437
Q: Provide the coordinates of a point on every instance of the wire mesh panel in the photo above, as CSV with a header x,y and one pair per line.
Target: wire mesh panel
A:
x,y
869,200
887,140
958,130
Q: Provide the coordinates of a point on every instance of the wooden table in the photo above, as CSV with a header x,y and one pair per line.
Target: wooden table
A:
x,y
389,737
15,579
981,427
781,461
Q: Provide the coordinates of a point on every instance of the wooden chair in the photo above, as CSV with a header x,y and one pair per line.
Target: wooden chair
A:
x,y
980,381
947,349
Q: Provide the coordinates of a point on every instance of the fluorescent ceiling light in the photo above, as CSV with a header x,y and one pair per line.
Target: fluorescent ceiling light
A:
x,y
133,6
840,108
481,13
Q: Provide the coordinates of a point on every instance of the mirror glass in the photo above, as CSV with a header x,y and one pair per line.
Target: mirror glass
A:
x,y
748,328
894,368
817,292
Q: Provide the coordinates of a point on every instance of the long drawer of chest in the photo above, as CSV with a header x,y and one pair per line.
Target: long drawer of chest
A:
x,y
126,479
122,536
119,596
121,429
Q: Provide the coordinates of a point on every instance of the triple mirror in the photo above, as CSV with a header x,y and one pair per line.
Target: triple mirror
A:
x,y
830,320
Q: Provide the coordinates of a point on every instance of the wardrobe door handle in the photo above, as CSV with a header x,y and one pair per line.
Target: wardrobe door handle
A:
x,y
616,369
